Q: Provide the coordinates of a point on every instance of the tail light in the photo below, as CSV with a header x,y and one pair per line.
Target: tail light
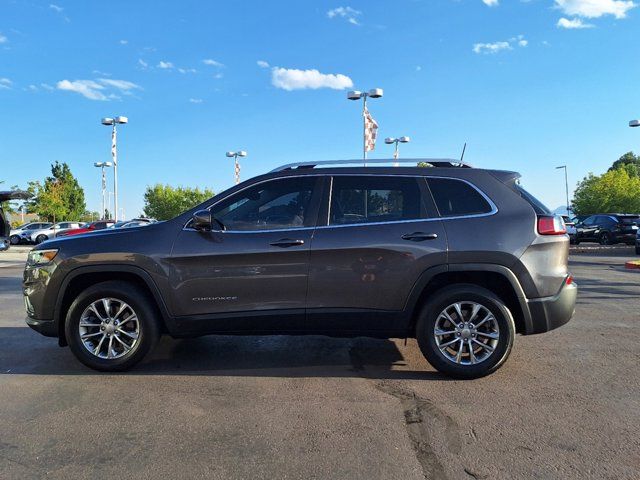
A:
x,y
551,225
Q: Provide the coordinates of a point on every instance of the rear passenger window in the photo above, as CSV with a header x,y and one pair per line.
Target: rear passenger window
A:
x,y
374,199
455,198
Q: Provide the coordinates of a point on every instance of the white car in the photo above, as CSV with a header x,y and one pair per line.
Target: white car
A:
x,y
40,236
23,232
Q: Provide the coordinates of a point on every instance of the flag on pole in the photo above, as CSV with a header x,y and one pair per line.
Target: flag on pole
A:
x,y
370,131
113,146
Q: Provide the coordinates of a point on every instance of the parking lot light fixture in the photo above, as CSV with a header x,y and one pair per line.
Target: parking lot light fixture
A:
x,y
235,155
104,186
357,95
566,185
396,141
113,122
634,123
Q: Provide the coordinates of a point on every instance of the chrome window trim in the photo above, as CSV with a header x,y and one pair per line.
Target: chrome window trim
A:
x,y
494,208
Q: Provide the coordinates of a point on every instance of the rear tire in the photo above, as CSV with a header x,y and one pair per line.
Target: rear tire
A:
x,y
14,239
123,346
605,238
457,359
41,238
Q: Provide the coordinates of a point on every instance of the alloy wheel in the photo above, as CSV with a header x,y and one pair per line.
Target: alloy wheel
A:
x,y
109,328
466,333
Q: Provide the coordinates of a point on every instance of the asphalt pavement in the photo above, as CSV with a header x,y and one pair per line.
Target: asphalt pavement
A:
x,y
565,405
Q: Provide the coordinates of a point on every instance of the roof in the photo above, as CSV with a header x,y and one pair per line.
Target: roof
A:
x,y
434,162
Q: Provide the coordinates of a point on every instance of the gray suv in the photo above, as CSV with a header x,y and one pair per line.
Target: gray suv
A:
x,y
460,258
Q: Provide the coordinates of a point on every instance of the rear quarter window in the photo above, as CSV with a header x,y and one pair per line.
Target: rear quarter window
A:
x,y
457,198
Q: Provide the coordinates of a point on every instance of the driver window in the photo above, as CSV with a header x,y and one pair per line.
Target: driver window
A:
x,y
272,205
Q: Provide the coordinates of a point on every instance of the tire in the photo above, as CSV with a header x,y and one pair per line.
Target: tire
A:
x,y
14,240
139,303
490,305
605,238
41,238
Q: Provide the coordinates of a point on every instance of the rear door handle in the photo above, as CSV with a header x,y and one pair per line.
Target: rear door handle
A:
x,y
419,236
286,242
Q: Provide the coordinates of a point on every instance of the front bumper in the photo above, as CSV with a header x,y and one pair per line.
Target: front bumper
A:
x,y
552,312
48,328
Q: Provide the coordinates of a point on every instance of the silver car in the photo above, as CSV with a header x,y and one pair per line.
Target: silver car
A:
x,y
40,236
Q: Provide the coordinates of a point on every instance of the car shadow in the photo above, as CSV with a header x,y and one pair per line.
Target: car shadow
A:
x,y
24,352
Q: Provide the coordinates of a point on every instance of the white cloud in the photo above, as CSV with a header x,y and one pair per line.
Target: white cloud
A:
x,y
491,47
3,39
294,79
99,89
574,23
218,76
349,14
165,65
495,47
490,3
123,42
195,100
187,70
595,8
142,63
262,64
213,63
56,8
46,86
418,68
5,84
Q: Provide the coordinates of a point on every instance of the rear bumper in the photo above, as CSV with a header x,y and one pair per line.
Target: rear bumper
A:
x,y
552,312
629,238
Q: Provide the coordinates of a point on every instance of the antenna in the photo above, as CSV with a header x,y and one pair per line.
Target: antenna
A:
x,y
463,150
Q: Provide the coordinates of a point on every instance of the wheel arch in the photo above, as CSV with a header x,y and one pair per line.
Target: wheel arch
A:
x,y
496,278
80,278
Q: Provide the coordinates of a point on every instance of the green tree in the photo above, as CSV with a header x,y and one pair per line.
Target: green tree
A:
x,y
630,162
60,197
617,190
163,202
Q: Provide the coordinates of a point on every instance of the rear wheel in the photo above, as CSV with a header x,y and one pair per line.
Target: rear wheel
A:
x,y
41,238
605,238
14,239
465,331
111,326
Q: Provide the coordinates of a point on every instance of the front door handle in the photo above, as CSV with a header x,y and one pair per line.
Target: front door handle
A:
x,y
286,242
419,236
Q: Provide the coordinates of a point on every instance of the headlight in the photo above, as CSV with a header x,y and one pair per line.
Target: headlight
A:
x,y
41,257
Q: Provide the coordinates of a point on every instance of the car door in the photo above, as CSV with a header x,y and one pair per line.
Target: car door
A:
x,y
375,237
258,265
587,228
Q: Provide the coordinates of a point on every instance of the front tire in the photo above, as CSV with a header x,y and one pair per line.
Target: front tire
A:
x,y
14,239
605,238
41,238
111,326
465,331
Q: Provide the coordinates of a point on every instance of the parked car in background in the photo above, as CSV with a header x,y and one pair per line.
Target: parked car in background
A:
x,y
571,228
22,233
136,222
378,252
99,225
5,226
608,228
638,243
45,234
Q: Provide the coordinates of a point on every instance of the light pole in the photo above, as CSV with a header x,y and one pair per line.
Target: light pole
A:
x,y
357,95
566,184
396,141
235,155
119,120
104,185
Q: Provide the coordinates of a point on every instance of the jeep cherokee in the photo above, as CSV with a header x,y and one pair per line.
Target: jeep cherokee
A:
x,y
459,258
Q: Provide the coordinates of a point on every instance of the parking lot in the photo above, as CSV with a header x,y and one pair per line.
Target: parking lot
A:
x,y
565,405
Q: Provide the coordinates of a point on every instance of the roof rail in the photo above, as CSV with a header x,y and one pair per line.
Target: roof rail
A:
x,y
434,162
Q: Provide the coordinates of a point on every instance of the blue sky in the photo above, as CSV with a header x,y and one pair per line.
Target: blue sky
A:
x,y
528,84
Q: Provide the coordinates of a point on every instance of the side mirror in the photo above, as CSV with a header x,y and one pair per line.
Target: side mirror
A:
x,y
202,220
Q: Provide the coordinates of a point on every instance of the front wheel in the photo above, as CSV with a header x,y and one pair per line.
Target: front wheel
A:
x,y
14,239
41,238
605,238
111,326
465,331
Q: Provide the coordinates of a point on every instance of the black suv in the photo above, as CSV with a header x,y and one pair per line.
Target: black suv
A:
x,y
460,258
608,228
